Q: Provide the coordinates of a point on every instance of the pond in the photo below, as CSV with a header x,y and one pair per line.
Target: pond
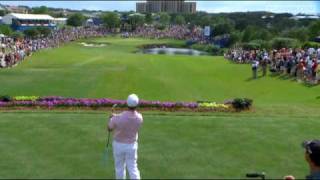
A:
x,y
174,51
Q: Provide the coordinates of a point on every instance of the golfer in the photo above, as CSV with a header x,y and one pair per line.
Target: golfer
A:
x,y
125,127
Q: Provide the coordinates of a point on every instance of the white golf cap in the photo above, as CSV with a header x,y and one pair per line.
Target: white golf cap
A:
x,y
132,100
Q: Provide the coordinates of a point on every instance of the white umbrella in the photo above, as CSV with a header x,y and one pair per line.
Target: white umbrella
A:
x,y
2,35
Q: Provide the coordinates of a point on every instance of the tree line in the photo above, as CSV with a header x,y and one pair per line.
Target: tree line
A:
x,y
246,29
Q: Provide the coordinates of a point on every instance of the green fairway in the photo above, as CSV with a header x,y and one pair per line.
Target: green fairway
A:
x,y
44,144
70,145
115,71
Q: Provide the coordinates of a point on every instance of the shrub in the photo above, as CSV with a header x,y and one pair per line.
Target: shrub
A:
x,y
5,98
250,46
44,31
311,44
160,27
242,103
17,35
256,44
211,49
31,33
5,29
281,42
26,98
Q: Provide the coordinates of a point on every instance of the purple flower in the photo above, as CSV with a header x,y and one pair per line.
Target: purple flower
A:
x,y
58,101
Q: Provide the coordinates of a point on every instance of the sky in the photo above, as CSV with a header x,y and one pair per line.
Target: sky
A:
x,y
294,7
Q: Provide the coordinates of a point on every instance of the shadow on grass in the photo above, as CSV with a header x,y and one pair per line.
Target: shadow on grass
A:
x,y
309,85
252,79
286,77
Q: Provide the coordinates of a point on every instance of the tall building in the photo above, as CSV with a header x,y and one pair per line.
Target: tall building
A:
x,y
169,6
141,7
189,7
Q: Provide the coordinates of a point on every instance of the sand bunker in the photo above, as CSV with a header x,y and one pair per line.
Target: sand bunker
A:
x,y
92,45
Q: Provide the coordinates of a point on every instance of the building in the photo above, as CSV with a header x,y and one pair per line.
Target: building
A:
x,y
153,6
141,7
22,22
189,7
169,6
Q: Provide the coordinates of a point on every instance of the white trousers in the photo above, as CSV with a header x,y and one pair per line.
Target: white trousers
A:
x,y
125,155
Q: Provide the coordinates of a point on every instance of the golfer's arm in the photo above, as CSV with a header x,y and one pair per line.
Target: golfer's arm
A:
x,y
109,128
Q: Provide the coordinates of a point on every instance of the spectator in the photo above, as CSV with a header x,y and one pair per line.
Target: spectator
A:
x,y
312,156
255,65
299,63
18,49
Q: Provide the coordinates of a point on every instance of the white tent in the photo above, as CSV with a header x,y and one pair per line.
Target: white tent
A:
x,y
7,19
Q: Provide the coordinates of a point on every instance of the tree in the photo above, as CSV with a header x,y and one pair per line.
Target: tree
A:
x,y
17,35
297,33
76,19
164,18
40,10
281,42
31,33
204,21
262,34
136,20
179,19
223,28
3,12
110,20
5,29
149,19
44,31
314,29
247,34
235,36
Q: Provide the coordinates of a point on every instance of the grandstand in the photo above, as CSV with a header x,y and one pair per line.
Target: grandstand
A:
x,y
22,22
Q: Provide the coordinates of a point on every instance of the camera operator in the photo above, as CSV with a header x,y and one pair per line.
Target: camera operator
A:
x,y
312,156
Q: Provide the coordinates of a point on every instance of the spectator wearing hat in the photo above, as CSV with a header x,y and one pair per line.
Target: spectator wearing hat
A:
x,y
312,156
125,127
264,63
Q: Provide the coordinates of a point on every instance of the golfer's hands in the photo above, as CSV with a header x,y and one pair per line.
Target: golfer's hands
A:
x,y
111,115
289,177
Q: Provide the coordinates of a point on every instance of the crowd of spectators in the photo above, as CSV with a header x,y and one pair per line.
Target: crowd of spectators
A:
x,y
299,63
180,32
14,50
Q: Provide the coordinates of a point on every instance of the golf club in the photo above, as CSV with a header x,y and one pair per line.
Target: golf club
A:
x,y
105,154
112,110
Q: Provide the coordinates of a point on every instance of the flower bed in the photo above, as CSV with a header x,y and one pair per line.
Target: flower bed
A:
x,y
54,102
